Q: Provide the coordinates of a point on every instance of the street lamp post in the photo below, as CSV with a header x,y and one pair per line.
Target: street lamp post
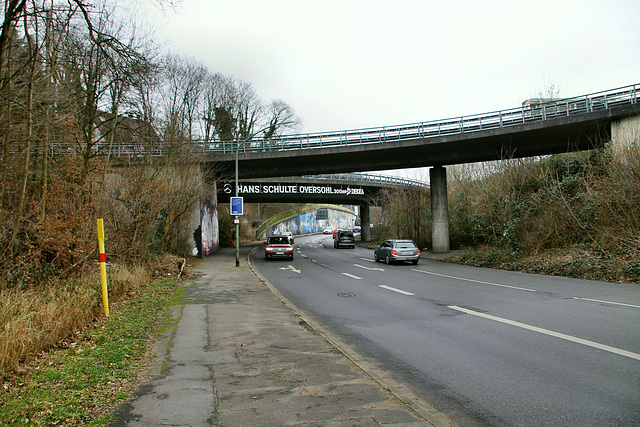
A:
x,y
237,220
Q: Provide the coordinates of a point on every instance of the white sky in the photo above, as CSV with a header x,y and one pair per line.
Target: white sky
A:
x,y
345,64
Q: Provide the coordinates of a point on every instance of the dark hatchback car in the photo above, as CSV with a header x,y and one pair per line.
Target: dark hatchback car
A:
x,y
392,250
345,238
278,247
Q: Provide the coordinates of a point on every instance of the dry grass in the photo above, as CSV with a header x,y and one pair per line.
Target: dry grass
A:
x,y
574,215
34,320
37,319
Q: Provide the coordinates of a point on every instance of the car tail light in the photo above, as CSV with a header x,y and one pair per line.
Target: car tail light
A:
x,y
418,252
394,252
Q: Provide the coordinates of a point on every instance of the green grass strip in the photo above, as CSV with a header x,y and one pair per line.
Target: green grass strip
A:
x,y
82,383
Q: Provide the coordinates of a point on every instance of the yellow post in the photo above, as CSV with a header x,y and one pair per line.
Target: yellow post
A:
x,y
103,267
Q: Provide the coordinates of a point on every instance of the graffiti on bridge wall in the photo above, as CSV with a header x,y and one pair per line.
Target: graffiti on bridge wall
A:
x,y
308,223
207,235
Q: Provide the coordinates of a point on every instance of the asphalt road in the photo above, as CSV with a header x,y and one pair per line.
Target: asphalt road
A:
x,y
486,347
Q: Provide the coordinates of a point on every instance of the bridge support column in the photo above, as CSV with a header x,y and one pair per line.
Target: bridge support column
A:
x,y
439,210
365,221
625,132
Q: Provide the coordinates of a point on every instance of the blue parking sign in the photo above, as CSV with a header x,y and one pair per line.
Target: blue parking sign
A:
x,y
237,206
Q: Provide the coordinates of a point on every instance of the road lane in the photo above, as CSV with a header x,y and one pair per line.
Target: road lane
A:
x,y
475,368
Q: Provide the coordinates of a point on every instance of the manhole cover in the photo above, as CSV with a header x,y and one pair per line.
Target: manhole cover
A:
x,y
346,294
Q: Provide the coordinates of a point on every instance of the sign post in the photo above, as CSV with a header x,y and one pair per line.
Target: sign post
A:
x,y
103,267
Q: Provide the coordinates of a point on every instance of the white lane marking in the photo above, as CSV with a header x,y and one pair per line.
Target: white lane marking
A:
x,y
352,276
593,344
400,291
304,256
476,281
368,259
608,302
368,268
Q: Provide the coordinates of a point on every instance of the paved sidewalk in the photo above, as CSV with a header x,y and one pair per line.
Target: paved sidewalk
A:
x,y
239,355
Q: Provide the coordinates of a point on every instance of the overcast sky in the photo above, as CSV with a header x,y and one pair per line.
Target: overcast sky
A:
x,y
345,64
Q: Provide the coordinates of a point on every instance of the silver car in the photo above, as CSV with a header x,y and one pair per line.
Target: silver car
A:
x,y
397,250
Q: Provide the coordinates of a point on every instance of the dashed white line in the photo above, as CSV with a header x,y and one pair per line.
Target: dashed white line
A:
x,y
608,302
368,268
476,281
400,291
593,344
352,276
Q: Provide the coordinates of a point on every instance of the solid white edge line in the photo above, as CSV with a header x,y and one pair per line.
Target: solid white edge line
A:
x,y
400,291
593,344
608,302
476,281
352,276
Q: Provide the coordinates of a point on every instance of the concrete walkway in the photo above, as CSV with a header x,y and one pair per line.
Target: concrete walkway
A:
x,y
239,355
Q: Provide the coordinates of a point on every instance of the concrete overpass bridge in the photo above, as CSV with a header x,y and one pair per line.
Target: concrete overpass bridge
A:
x,y
538,127
535,128
345,188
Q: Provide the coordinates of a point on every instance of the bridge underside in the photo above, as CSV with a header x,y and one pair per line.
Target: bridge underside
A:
x,y
564,134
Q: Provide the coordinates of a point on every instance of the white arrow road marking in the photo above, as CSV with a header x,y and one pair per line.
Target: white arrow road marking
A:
x,y
476,281
352,276
368,268
593,344
400,291
290,267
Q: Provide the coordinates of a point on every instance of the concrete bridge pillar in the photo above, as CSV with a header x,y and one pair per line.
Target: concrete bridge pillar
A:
x,y
365,221
439,210
625,132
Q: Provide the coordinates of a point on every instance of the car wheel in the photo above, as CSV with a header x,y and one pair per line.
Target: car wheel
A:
x,y
414,262
375,256
387,260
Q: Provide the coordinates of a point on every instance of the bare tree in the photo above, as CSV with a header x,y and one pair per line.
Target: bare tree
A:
x,y
183,80
279,112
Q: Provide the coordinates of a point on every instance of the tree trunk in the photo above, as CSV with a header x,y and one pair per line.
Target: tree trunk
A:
x,y
29,129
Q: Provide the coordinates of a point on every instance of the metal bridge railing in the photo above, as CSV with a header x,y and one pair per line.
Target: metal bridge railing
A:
x,y
369,179
464,124
532,112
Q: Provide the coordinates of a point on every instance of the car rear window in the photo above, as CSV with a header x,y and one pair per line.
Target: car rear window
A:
x,y
347,233
406,245
280,239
